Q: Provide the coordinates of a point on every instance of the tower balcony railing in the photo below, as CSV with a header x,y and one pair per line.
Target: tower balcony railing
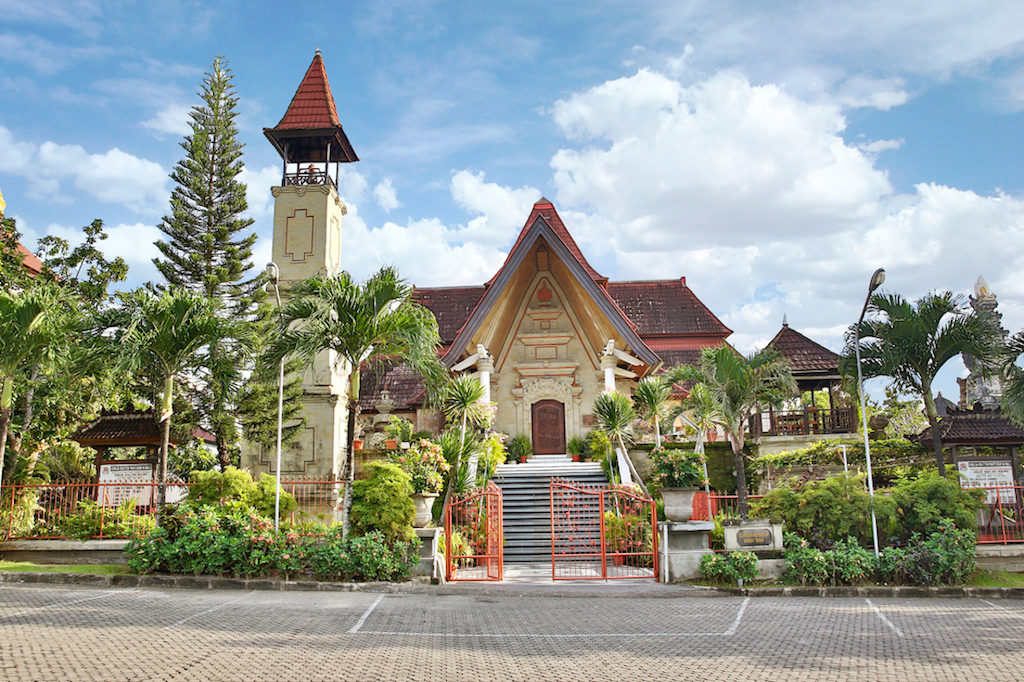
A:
x,y
308,176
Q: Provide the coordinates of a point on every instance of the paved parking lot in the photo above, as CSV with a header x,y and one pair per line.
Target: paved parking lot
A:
x,y
72,632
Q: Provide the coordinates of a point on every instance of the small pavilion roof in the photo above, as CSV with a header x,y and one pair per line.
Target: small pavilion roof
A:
x,y
128,429
805,357
979,426
311,122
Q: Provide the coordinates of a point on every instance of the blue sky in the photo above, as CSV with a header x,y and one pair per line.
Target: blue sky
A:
x,y
774,153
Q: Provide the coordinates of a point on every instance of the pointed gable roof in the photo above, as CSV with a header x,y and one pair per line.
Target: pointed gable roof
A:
x,y
29,260
804,355
563,247
543,208
312,114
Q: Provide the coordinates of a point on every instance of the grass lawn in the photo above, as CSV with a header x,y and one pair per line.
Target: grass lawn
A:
x,y
94,569
996,579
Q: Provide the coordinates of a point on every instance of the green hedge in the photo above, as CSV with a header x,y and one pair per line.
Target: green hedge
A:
x,y
890,458
721,469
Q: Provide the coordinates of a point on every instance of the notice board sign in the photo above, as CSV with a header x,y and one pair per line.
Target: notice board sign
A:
x,y
120,481
989,472
134,479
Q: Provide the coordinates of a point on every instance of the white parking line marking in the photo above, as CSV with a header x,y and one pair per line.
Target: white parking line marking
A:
x,y
366,614
209,610
736,623
899,633
1002,608
535,635
63,603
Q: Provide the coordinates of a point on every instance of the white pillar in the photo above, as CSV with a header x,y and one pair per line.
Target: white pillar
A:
x,y
608,364
485,366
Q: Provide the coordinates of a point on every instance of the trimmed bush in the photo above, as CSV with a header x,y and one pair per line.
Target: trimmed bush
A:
x,y
383,502
729,568
823,512
923,501
234,485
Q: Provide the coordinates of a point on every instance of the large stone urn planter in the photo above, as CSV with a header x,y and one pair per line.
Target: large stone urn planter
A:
x,y
424,503
678,503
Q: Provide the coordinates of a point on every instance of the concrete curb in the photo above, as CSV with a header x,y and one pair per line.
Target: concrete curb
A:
x,y
576,590
878,591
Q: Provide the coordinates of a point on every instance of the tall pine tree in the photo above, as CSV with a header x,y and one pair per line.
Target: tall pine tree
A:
x,y
208,248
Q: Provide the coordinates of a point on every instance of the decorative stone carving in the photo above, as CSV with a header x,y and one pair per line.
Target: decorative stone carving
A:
x,y
542,389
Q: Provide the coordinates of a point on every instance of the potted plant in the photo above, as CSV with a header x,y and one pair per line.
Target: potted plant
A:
x,y
398,430
678,474
519,448
357,443
576,446
425,463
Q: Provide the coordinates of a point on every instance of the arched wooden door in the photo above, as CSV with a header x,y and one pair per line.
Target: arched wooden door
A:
x,y
548,427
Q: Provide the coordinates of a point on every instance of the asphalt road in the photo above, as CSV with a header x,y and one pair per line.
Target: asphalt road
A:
x,y
80,633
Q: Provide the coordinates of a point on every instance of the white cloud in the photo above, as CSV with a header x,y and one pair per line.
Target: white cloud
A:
x,y
385,196
875,93
173,119
44,56
501,210
113,176
257,189
135,243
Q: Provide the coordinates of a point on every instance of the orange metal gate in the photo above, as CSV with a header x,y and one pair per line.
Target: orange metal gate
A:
x,y
602,533
473,539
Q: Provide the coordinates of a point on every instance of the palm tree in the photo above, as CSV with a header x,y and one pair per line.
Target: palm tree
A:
x,y
23,338
910,343
615,416
363,324
738,386
651,398
700,411
1013,378
463,404
164,334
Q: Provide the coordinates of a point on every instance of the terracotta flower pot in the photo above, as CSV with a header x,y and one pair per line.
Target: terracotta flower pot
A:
x,y
522,460
577,458
391,443
357,444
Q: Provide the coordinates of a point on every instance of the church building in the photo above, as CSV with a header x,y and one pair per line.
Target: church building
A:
x,y
545,335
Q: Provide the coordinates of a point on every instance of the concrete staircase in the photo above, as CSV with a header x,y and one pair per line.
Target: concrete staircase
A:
x,y
526,499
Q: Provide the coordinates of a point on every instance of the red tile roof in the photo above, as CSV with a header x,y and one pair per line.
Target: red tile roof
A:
x,y
405,387
451,306
665,307
312,107
30,260
311,121
120,429
975,427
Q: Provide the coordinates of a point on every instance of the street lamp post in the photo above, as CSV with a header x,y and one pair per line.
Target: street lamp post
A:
x,y
275,275
876,281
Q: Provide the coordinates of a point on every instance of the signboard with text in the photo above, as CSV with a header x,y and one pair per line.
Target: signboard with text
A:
x,y
989,472
133,479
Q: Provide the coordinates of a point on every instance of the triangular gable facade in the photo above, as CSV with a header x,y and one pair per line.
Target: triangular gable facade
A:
x,y
544,322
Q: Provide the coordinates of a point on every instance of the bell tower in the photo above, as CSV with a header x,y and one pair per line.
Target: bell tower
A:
x,y
307,242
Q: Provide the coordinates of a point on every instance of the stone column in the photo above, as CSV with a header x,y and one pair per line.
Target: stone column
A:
x,y
485,367
608,364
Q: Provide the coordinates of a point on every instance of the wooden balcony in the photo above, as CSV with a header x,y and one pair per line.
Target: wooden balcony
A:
x,y
309,176
806,422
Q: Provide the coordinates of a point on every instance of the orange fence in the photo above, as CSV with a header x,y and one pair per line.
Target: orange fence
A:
x,y
89,510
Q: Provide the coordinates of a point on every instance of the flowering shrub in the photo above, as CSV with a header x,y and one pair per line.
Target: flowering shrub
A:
x,y
729,568
383,502
234,541
677,468
425,464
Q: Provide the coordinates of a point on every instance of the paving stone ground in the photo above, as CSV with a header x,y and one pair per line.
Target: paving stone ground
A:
x,y
81,633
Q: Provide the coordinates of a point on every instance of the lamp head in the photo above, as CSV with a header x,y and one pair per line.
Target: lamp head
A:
x,y
273,273
876,280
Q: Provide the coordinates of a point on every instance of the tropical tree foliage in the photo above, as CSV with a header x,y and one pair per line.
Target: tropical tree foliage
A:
x,y
651,397
363,324
1013,377
910,342
163,335
738,386
462,403
615,416
208,250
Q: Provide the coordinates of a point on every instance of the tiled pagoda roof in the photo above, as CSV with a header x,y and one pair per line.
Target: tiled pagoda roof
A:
x,y
804,355
665,307
975,427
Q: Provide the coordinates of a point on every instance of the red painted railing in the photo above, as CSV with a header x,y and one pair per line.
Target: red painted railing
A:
x,y
90,510
473,536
